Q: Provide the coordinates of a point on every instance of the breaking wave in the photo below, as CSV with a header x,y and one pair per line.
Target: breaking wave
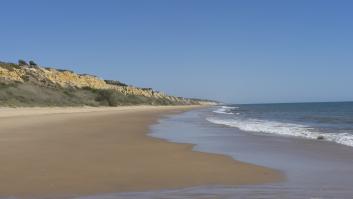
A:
x,y
225,110
286,129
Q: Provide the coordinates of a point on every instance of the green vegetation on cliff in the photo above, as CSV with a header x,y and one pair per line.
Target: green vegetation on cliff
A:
x,y
30,85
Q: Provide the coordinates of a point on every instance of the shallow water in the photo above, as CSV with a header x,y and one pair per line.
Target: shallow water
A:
x,y
314,169
331,121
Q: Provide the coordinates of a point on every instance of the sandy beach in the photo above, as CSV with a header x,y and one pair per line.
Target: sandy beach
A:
x,y
50,152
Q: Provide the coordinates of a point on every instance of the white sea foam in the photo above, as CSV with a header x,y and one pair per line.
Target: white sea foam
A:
x,y
230,107
286,129
225,110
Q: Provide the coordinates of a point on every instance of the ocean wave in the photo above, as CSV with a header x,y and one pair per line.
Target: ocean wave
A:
x,y
225,110
286,129
230,107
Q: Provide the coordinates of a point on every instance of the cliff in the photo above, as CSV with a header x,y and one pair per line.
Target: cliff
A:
x,y
24,82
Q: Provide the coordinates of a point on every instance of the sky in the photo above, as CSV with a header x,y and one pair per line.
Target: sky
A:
x,y
250,51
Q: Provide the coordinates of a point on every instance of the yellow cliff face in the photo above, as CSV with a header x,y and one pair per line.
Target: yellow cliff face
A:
x,y
68,79
53,79
12,75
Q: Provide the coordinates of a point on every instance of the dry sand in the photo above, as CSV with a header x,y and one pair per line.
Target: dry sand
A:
x,y
50,152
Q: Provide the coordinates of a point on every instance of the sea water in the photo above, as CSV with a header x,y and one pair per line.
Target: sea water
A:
x,y
327,121
310,143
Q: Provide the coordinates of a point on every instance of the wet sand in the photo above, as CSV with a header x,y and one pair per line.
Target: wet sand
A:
x,y
313,168
56,152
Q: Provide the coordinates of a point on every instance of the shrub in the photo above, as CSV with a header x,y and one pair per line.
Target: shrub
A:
x,y
89,89
64,70
114,82
107,96
22,62
32,63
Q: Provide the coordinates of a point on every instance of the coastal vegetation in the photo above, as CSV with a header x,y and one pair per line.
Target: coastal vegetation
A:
x,y
28,84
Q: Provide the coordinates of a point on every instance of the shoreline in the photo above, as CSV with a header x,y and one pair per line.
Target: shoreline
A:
x,y
46,153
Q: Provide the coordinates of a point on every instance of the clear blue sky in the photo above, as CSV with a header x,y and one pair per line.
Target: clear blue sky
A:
x,y
235,51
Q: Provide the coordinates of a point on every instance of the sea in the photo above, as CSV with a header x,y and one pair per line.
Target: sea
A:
x,y
327,121
310,143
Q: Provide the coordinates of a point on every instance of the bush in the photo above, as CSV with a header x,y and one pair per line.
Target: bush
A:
x,y
89,89
64,70
114,82
22,62
108,96
32,63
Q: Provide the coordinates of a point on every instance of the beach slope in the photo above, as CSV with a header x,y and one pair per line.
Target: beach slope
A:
x,y
48,152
